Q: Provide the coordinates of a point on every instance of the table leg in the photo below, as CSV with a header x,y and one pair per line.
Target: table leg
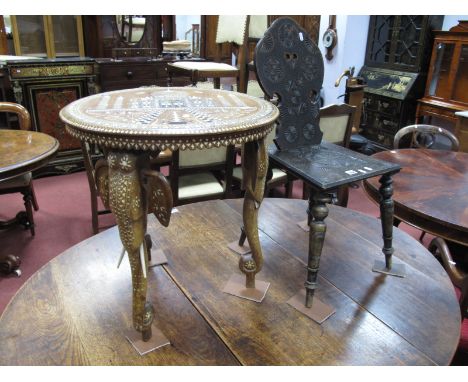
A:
x,y
255,166
386,217
128,202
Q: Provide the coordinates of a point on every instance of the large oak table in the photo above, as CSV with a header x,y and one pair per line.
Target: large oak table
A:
x,y
73,311
130,125
21,152
430,192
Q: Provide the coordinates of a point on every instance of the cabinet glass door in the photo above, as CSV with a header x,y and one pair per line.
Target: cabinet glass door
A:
x,y
381,39
408,42
460,92
439,86
30,33
66,35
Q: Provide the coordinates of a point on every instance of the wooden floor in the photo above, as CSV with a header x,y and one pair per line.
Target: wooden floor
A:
x,y
75,310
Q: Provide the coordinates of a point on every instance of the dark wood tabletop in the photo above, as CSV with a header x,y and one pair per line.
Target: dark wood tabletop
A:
x,y
75,309
23,151
430,192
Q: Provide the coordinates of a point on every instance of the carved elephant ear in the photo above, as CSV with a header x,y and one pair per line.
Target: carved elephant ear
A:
x,y
160,196
101,175
290,65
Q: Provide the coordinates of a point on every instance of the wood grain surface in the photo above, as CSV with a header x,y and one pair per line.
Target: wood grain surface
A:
x,y
22,151
430,190
74,310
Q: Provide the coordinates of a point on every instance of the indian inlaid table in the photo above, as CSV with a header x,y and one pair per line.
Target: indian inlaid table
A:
x,y
132,124
22,151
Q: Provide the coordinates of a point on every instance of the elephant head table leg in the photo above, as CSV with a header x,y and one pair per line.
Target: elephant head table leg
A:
x,y
255,167
128,202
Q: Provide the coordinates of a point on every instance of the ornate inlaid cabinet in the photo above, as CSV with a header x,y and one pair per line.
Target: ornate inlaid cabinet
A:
x,y
44,87
397,57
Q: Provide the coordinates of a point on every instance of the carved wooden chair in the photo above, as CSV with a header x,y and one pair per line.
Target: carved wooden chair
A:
x,y
424,136
201,174
92,171
452,258
289,65
23,183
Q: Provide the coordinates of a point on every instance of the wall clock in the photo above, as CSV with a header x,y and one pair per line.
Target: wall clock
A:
x,y
330,38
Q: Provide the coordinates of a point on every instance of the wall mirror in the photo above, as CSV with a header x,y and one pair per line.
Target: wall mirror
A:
x,y
130,28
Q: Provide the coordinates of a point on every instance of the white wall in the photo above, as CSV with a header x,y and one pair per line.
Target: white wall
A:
x,y
452,20
184,23
350,51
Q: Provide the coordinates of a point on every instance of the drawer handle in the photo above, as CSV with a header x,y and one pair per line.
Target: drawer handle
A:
x,y
129,74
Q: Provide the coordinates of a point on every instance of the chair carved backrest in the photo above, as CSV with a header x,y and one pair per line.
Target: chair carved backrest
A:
x,y
289,65
423,136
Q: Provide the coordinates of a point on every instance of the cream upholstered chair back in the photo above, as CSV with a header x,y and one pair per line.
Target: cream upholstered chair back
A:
x,y
336,122
257,26
231,28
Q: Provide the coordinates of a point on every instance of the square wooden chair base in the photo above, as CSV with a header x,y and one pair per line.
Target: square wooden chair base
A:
x,y
318,312
241,250
157,340
157,258
236,287
303,224
398,270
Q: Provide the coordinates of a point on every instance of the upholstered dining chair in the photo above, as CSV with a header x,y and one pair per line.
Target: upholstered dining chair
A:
x,y
425,136
231,29
201,174
23,183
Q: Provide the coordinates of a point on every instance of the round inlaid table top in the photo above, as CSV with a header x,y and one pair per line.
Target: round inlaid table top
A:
x,y
157,118
23,151
430,192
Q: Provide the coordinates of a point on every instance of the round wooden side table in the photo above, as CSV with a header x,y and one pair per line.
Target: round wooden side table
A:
x,y
132,124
